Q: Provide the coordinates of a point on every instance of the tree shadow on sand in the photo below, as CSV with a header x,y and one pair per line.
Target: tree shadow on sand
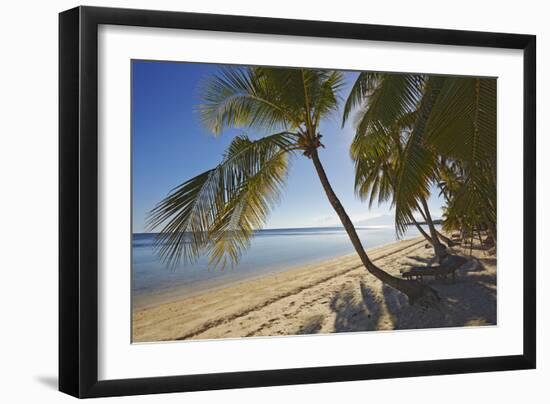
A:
x,y
312,325
469,301
354,313
424,260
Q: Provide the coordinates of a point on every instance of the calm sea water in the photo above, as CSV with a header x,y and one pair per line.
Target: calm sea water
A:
x,y
271,251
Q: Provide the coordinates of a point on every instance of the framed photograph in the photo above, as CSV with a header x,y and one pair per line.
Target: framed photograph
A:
x,y
251,201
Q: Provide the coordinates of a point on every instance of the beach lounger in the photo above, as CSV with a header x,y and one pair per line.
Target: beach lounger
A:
x,y
448,267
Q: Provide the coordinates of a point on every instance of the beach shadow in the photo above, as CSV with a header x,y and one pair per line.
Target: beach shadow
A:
x,y
48,381
470,300
313,325
354,313
421,259
395,301
473,265
488,261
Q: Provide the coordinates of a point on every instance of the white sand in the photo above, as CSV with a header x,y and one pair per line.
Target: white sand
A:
x,y
336,295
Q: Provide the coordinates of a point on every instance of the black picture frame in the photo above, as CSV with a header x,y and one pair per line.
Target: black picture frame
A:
x,y
78,201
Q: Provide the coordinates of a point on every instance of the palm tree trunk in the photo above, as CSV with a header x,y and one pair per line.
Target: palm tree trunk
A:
x,y
445,239
492,233
415,291
421,230
439,249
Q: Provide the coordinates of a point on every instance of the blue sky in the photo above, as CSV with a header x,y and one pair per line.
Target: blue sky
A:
x,y
169,146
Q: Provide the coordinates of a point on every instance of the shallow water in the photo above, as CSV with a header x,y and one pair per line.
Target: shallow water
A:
x,y
270,251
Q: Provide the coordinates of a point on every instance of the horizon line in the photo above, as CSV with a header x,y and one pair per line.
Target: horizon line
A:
x,y
307,227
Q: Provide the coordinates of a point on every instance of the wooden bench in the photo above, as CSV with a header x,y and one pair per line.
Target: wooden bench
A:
x,y
448,267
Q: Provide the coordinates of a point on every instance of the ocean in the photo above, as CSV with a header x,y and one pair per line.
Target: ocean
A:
x,y
271,251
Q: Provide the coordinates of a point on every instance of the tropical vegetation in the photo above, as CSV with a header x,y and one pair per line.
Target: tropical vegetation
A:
x,y
413,134
417,132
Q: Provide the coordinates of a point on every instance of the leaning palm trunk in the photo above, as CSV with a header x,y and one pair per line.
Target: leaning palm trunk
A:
x,y
221,208
425,216
422,231
427,219
440,250
416,292
445,239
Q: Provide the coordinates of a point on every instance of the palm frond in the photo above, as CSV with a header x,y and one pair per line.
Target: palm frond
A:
x,y
363,87
242,97
375,158
326,96
463,121
417,170
217,211
396,96
463,127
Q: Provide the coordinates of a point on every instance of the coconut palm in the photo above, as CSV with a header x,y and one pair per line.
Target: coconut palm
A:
x,y
454,123
217,211
396,102
462,127
377,152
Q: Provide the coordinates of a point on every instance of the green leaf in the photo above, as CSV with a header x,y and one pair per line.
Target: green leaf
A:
x,y
217,211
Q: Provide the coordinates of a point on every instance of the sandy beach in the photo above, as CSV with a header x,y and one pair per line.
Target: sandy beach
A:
x,y
336,295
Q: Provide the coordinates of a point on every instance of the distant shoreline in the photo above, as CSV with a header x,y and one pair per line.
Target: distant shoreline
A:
x,y
279,229
147,299
271,252
437,222
336,295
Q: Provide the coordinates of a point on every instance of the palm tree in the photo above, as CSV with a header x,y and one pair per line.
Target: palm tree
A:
x,y
462,127
392,106
377,152
454,123
218,210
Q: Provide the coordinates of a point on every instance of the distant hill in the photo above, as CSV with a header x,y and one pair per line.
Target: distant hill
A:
x,y
386,220
382,220
436,221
